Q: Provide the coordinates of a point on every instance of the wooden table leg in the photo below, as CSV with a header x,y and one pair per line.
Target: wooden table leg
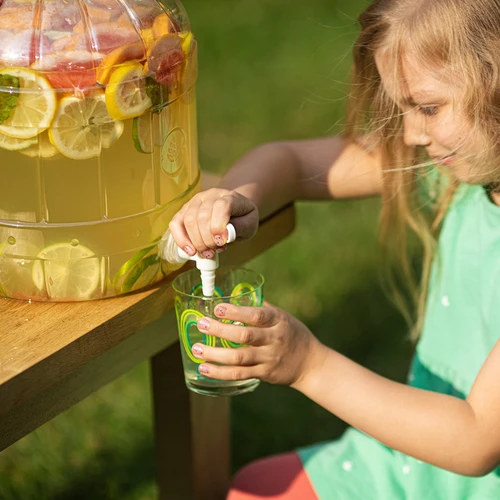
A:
x,y
192,435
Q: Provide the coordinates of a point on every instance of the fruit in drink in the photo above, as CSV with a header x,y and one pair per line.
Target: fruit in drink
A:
x,y
82,126
126,95
164,60
69,272
35,106
162,25
41,147
142,270
132,52
70,70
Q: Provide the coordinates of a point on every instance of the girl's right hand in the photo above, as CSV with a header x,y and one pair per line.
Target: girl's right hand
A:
x,y
200,225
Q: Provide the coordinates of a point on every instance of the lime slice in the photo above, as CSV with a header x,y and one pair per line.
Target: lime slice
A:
x,y
13,144
126,95
143,274
41,148
82,126
130,264
69,272
142,133
35,107
142,270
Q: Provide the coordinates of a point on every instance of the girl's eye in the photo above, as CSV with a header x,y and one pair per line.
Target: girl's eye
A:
x,y
428,110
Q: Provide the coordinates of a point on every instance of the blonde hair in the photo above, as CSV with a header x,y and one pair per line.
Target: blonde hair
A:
x,y
462,36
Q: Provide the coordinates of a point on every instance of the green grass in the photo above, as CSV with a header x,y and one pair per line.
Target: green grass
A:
x,y
267,72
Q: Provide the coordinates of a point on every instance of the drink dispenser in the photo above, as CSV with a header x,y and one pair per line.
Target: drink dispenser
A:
x,y
98,143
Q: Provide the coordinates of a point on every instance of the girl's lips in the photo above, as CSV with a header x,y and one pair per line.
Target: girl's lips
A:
x,y
446,160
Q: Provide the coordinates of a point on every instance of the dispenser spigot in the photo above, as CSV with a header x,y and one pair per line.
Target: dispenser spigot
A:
x,y
170,252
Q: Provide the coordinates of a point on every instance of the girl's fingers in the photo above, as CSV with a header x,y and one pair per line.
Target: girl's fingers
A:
x,y
204,222
192,228
255,316
229,372
238,334
179,232
241,356
221,214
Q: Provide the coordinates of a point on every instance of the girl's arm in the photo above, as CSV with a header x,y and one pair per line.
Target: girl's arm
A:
x,y
270,177
277,173
460,436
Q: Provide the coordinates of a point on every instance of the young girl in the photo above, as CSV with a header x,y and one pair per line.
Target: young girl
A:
x,y
424,130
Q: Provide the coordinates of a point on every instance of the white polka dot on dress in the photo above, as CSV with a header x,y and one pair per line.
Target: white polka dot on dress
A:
x,y
406,469
445,301
347,465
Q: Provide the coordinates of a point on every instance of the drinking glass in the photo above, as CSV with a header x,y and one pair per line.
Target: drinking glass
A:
x,y
238,286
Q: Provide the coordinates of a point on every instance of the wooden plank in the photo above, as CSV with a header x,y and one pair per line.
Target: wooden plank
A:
x,y
44,405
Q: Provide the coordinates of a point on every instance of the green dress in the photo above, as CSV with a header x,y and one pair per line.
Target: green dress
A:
x,y
461,327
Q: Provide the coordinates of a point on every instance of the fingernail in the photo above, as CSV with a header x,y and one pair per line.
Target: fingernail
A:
x,y
218,240
197,350
203,369
203,324
189,250
220,311
208,254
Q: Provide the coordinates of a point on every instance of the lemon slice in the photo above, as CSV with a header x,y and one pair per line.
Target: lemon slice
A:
x,y
41,148
69,272
35,107
126,95
13,144
82,126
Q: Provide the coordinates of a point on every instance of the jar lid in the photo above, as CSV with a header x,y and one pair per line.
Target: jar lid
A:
x,y
77,44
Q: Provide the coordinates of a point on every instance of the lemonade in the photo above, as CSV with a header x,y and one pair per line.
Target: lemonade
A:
x,y
98,143
238,286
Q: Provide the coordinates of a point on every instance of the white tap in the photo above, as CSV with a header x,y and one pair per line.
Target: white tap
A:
x,y
170,252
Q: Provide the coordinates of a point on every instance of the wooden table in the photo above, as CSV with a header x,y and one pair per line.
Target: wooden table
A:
x,y
54,355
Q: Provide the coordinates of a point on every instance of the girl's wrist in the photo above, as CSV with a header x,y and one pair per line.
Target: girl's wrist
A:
x,y
313,367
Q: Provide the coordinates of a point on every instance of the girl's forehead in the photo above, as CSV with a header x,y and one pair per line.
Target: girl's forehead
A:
x,y
406,78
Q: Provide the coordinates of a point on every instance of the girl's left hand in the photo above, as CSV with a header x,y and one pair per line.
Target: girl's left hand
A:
x,y
277,348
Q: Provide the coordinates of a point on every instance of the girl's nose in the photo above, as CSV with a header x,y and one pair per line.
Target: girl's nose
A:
x,y
415,130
